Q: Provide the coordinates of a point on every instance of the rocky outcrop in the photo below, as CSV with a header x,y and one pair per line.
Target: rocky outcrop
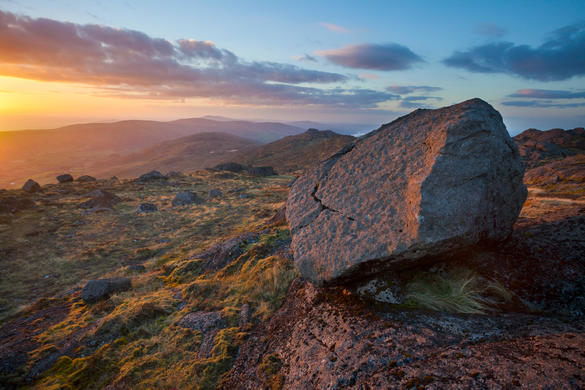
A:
x,y
186,198
65,178
428,183
31,186
96,290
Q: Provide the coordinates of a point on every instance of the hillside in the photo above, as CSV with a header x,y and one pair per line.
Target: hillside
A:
x,y
186,154
296,152
554,157
43,154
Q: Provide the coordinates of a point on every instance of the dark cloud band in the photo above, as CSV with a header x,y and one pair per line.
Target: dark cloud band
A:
x,y
561,57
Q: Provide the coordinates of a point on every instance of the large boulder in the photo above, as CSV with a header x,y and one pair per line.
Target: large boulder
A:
x,y
96,290
428,183
31,186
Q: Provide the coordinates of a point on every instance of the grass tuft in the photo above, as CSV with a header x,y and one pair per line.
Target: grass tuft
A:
x,y
458,290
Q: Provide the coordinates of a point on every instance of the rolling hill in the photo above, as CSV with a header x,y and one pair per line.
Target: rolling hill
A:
x,y
296,152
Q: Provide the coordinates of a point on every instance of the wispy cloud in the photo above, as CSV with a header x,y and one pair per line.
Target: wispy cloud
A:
x,y
390,56
306,58
560,57
547,94
541,104
419,101
334,27
490,30
407,89
132,64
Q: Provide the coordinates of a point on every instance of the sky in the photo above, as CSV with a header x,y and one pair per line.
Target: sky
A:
x,y
66,61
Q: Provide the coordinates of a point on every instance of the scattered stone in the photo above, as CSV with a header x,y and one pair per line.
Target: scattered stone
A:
x,y
147,208
230,166
152,176
100,200
31,186
244,315
224,175
245,196
261,171
279,217
12,204
185,198
215,193
208,323
96,290
65,178
221,254
175,174
85,179
136,268
428,183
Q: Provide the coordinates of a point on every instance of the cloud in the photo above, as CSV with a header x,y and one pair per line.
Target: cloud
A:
x,y
560,57
541,104
334,27
407,89
418,101
132,64
305,58
391,56
490,30
547,94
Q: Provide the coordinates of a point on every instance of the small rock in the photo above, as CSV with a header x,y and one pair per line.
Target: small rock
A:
x,y
186,198
85,179
151,176
215,193
100,200
208,323
230,166
31,186
65,178
136,268
96,290
261,171
147,208
244,315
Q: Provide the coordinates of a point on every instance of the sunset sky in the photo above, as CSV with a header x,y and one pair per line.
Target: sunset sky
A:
x,y
64,62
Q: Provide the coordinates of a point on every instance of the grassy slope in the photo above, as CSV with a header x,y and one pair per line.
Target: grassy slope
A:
x,y
131,339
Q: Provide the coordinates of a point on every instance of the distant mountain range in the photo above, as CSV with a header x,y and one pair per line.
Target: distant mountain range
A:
x,y
43,154
130,148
